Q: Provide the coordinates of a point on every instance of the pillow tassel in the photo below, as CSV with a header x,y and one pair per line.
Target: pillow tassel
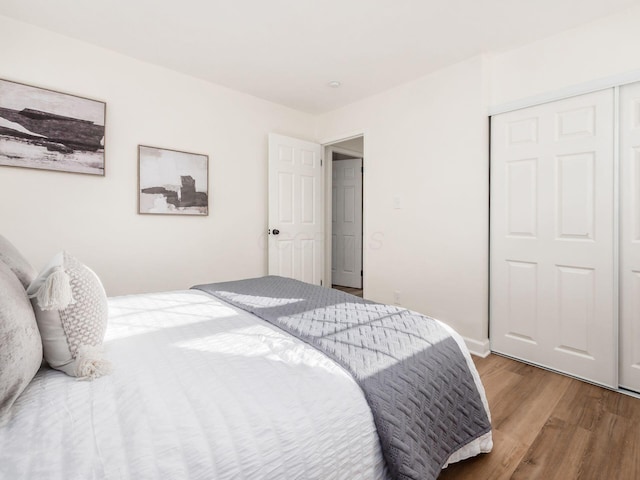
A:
x,y
90,364
55,293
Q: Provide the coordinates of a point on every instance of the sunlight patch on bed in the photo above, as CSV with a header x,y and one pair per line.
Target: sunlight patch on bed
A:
x,y
143,314
382,319
263,342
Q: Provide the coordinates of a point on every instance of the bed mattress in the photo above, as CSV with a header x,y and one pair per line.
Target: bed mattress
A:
x,y
199,390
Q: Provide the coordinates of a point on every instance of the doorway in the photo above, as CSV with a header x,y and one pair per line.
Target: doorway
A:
x,y
345,214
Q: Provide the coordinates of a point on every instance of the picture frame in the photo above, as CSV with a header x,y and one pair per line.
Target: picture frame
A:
x,y
172,182
49,130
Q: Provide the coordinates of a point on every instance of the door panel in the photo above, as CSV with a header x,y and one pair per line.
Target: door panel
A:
x,y
552,252
574,317
576,196
630,236
522,301
295,209
522,196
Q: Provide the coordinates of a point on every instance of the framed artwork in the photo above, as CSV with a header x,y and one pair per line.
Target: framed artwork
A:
x,y
49,130
172,182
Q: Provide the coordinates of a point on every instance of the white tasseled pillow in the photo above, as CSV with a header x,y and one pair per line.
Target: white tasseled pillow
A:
x,y
71,310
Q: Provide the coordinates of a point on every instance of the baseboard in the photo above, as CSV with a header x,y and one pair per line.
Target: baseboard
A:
x,y
481,349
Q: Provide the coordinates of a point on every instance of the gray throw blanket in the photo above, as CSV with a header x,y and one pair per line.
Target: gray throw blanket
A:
x,y
415,378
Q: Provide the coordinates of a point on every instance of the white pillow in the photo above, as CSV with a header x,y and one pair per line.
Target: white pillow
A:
x,y
71,310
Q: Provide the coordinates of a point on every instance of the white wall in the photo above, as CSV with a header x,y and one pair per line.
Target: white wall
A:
x,y
427,142
95,218
603,48
353,144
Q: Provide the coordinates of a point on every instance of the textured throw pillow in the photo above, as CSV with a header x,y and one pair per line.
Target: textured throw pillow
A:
x,y
71,309
20,344
16,262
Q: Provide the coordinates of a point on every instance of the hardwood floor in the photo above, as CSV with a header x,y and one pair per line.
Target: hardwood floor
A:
x,y
353,291
548,426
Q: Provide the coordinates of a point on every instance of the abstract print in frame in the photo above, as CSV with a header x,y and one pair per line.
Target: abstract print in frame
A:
x,y
172,182
49,130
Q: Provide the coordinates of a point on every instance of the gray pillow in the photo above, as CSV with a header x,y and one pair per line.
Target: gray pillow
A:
x,y
16,262
20,343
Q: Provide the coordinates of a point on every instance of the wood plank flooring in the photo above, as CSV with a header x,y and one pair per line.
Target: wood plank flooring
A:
x,y
353,291
548,426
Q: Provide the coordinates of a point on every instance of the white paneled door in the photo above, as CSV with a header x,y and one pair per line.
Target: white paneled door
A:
x,y
553,292
346,221
630,236
296,233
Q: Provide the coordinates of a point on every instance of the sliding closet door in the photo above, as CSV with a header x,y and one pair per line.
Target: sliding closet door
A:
x,y
552,233
630,236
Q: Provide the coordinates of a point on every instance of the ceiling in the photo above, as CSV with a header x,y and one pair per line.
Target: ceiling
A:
x,y
286,51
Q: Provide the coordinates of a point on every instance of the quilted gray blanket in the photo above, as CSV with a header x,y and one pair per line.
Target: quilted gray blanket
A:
x,y
416,380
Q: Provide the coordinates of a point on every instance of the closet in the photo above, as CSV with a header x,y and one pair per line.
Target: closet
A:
x,y
565,235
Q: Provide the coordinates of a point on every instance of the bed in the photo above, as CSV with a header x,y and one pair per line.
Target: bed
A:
x,y
202,389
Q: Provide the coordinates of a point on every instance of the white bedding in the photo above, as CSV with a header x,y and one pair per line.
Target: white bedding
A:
x,y
200,390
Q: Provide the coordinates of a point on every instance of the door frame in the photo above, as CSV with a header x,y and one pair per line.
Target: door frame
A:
x,y
357,157
327,154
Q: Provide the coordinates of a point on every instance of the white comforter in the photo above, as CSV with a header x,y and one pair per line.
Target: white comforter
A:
x,y
200,390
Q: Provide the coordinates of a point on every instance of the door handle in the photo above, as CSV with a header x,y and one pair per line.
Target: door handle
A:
x,y
275,231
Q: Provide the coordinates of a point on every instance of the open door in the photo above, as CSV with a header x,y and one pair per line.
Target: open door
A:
x,y
296,223
346,222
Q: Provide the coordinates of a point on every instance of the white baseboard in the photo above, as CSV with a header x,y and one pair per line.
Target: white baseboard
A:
x,y
481,349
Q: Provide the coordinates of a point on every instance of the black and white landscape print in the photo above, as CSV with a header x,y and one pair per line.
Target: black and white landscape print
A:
x,y
173,182
50,130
